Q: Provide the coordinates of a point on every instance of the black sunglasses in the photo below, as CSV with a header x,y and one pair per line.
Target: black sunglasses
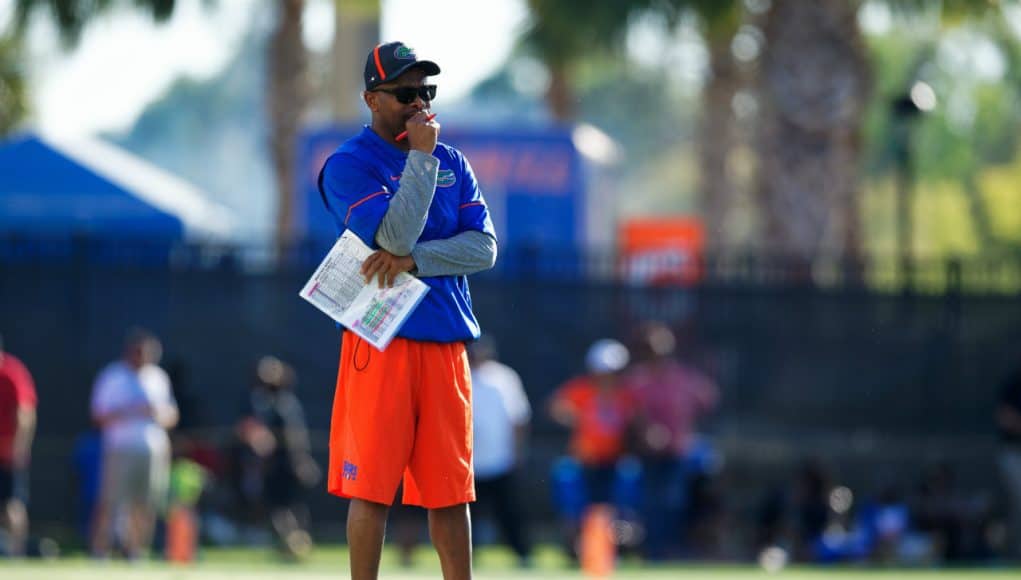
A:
x,y
407,95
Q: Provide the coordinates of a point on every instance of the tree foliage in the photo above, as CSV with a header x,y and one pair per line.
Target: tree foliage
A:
x,y
71,16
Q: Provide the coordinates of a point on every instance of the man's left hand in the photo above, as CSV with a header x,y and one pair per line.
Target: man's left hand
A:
x,y
387,266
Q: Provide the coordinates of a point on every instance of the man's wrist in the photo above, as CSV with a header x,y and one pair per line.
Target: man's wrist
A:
x,y
425,156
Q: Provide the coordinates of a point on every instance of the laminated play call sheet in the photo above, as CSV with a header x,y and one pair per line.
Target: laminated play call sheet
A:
x,y
338,288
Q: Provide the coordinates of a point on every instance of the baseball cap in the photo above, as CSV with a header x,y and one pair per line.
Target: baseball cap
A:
x,y
392,59
606,356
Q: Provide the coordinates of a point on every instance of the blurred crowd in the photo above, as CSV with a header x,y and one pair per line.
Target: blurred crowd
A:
x,y
142,484
637,454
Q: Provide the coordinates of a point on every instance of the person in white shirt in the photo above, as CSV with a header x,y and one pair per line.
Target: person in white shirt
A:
x,y
501,414
133,406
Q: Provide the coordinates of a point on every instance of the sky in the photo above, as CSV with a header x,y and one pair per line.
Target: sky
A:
x,y
125,62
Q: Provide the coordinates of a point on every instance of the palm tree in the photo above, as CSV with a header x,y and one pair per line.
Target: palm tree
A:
x,y
566,32
13,94
356,30
719,133
559,40
812,86
287,99
562,38
814,83
286,60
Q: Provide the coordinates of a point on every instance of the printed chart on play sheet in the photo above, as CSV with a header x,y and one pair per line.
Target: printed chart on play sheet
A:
x,y
338,289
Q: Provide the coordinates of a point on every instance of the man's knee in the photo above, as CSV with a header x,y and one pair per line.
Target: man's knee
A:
x,y
457,508
455,514
14,513
363,508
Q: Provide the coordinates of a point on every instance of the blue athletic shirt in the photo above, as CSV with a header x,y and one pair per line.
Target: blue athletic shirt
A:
x,y
357,182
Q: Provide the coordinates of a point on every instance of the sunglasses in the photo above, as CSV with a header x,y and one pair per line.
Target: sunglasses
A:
x,y
407,95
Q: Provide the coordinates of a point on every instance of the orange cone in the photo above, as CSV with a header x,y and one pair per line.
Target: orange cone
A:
x,y
182,535
596,550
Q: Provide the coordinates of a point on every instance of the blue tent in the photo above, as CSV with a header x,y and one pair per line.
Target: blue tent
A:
x,y
53,187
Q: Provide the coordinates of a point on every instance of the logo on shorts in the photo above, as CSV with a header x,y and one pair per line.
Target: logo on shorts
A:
x,y
350,471
445,178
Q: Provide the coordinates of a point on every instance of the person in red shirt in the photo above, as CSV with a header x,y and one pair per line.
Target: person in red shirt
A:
x,y
671,398
17,427
599,411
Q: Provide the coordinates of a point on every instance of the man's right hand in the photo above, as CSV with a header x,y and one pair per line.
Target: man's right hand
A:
x,y
422,133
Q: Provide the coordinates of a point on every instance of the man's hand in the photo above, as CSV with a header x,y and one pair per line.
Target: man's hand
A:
x,y
387,266
422,133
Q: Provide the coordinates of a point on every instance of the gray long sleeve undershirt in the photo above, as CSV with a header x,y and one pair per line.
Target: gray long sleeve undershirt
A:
x,y
465,253
404,220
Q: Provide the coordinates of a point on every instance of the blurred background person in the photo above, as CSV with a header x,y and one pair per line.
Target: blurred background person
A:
x,y
87,464
811,491
133,405
1008,420
273,466
17,428
599,412
501,414
671,398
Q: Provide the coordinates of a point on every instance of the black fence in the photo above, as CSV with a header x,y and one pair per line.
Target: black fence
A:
x,y
756,268
879,381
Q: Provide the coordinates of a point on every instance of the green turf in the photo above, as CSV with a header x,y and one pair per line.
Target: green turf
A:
x,y
331,563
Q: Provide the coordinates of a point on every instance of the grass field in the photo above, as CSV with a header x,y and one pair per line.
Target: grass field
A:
x,y
331,563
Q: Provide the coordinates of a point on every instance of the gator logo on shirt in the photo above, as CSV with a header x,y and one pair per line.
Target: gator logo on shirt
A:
x,y
404,53
446,178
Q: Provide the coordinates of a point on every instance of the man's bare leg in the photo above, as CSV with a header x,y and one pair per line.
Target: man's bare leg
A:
x,y
141,525
14,518
450,530
366,525
102,528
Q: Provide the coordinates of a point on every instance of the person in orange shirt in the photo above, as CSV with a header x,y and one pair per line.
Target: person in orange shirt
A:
x,y
599,411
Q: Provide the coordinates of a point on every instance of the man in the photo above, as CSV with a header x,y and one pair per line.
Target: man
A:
x,y
671,398
407,410
1008,420
133,406
501,413
599,411
274,465
17,427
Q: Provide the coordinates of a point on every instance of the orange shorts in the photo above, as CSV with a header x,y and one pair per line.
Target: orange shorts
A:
x,y
405,412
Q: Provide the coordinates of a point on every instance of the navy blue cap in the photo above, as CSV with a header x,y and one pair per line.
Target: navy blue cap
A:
x,y
388,61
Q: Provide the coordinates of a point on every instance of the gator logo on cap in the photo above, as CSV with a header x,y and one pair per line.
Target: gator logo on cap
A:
x,y
446,178
404,53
